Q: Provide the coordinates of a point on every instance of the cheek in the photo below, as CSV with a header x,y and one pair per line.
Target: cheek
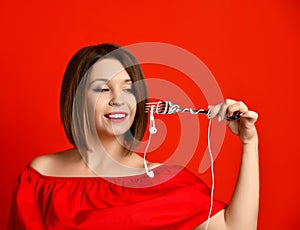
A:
x,y
132,106
91,100
133,113
131,101
95,105
91,106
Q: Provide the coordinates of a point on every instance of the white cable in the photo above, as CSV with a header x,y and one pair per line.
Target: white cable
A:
x,y
148,172
152,130
212,173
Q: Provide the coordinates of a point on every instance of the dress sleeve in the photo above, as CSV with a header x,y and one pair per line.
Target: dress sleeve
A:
x,y
25,211
192,200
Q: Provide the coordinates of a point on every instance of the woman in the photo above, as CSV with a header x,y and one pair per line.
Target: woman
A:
x,y
101,184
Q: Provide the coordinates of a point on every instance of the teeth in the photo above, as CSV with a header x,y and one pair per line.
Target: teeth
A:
x,y
116,116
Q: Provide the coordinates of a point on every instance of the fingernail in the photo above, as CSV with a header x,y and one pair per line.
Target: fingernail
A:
x,y
219,118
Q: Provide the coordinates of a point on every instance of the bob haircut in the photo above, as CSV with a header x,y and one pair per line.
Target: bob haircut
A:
x,y
76,73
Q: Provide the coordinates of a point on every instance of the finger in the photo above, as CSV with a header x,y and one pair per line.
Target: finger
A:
x,y
214,110
236,107
223,109
250,116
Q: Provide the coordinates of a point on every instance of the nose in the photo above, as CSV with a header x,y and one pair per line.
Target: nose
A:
x,y
116,99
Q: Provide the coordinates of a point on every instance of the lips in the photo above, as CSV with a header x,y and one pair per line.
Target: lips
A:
x,y
116,116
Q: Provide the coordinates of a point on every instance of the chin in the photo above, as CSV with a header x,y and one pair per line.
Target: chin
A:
x,y
116,132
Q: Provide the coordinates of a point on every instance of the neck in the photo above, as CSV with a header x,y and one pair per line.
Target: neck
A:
x,y
109,157
113,146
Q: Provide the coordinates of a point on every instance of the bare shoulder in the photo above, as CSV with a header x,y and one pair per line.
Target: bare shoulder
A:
x,y
56,164
137,161
153,165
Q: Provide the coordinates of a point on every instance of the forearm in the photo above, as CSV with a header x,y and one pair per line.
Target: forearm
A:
x,y
242,211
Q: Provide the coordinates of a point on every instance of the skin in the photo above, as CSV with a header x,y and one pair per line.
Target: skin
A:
x,y
242,210
106,95
110,94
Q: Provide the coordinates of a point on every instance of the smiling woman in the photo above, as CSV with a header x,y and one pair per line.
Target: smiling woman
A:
x,y
101,182
112,99
95,67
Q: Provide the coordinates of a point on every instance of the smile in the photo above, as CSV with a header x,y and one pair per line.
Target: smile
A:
x,y
116,116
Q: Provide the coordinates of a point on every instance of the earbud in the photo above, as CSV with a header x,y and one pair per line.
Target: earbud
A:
x,y
150,174
152,130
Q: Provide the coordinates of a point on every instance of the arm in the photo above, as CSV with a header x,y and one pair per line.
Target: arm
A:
x,y
242,210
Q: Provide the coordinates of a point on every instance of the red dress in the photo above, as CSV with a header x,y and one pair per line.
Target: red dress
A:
x,y
46,202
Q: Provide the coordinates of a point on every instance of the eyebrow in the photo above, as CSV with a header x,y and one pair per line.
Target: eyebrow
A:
x,y
107,80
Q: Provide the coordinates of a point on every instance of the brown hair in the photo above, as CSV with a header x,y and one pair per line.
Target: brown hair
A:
x,y
75,74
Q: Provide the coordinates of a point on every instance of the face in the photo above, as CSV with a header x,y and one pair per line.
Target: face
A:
x,y
110,98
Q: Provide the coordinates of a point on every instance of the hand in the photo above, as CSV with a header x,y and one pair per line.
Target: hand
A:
x,y
244,127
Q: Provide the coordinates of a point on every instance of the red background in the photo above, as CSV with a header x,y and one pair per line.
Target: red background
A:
x,y
252,48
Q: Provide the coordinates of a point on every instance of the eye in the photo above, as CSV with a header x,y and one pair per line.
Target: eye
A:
x,y
100,90
128,90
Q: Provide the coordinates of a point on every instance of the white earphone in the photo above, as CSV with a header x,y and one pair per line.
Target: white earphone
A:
x,y
152,130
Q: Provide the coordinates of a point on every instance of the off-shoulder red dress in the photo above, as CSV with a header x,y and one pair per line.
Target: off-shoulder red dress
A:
x,y
45,202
